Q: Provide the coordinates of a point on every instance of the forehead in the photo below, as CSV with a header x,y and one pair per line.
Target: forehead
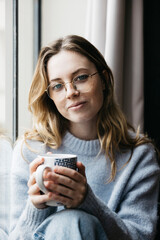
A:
x,y
67,61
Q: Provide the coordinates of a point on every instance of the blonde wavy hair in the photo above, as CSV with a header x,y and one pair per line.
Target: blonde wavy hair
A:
x,y
49,125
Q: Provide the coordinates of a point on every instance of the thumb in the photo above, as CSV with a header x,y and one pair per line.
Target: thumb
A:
x,y
81,168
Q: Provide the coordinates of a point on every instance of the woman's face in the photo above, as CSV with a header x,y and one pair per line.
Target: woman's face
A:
x,y
78,106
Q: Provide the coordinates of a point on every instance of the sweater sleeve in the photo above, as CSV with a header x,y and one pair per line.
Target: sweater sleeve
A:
x,y
3,235
131,212
5,162
25,218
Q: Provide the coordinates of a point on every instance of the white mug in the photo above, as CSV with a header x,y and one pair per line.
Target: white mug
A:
x,y
52,160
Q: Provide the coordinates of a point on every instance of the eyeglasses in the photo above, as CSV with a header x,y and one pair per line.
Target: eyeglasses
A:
x,y
79,83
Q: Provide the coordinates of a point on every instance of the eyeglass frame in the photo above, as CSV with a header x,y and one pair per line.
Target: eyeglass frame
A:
x,y
89,75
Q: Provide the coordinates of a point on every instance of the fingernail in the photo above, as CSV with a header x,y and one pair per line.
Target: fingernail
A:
x,y
55,169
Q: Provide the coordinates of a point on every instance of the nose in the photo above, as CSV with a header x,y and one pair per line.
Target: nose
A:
x,y
71,90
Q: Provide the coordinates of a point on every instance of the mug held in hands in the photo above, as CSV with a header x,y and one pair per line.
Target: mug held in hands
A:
x,y
52,160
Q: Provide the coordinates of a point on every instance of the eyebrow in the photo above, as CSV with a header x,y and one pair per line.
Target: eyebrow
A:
x,y
74,73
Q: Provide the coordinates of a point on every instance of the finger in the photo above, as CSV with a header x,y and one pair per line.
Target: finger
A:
x,y
74,180
40,200
60,179
68,172
58,188
50,187
67,187
34,164
81,168
66,201
34,189
49,153
31,180
62,199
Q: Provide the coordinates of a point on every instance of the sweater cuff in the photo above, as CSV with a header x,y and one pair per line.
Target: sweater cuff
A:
x,y
90,203
33,216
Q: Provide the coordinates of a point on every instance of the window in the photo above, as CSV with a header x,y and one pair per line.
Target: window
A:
x,y
57,18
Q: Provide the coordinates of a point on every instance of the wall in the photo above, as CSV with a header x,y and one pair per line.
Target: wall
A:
x,y
62,17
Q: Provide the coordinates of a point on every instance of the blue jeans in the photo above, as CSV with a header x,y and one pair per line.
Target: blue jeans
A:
x,y
70,224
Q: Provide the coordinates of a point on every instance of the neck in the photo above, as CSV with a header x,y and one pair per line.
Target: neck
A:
x,y
84,131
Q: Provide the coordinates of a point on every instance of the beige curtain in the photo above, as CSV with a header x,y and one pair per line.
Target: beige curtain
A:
x,y
115,27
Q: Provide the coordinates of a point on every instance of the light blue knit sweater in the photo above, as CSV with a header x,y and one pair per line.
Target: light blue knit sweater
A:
x,y
5,163
126,207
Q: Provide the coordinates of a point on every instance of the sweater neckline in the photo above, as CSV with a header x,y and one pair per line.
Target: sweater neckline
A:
x,y
82,147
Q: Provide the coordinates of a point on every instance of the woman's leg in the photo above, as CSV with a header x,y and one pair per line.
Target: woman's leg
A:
x,y
70,224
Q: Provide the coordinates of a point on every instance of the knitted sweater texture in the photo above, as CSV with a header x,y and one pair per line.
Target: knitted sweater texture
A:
x,y
5,162
126,207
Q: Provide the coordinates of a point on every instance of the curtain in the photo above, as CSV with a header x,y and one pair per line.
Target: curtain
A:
x,y
115,27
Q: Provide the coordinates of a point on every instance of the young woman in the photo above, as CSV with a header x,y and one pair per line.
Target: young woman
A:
x,y
5,163
114,192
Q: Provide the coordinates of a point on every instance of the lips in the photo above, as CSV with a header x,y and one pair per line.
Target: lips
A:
x,y
74,105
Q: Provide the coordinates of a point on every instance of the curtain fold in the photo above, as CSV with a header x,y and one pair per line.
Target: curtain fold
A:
x,y
96,23
114,45
115,27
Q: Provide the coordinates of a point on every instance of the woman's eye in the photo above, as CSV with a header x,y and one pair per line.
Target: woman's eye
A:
x,y
81,78
57,86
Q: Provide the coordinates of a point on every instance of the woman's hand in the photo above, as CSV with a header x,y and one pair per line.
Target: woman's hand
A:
x,y
67,185
34,192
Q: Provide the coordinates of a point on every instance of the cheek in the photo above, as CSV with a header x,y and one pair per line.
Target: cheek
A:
x,y
96,102
97,88
98,96
60,106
